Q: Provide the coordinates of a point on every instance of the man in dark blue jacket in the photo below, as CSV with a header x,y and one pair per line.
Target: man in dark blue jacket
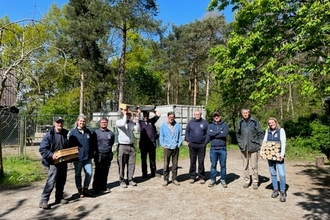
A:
x,y
54,140
217,135
195,135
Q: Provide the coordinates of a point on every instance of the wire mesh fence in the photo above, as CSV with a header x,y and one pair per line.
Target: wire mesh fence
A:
x,y
10,133
19,131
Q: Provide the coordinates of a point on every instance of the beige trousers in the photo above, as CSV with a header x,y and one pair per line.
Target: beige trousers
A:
x,y
250,159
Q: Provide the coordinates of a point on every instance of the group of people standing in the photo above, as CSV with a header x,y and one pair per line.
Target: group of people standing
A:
x,y
250,138
98,146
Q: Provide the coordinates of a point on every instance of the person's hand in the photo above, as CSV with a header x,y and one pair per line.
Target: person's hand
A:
x,y
54,157
158,114
136,119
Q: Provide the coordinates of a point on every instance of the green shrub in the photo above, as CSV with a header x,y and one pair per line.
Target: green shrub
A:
x,y
306,136
231,138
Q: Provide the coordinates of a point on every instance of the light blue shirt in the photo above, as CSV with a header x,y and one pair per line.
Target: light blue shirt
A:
x,y
170,136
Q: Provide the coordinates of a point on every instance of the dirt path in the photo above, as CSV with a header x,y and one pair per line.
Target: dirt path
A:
x,y
308,197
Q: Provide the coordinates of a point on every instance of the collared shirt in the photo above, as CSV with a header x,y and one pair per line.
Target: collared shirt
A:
x,y
170,135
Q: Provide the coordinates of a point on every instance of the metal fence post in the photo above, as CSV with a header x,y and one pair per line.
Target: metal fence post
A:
x,y
22,134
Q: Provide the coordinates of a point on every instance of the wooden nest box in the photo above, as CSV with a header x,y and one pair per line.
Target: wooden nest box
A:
x,y
66,154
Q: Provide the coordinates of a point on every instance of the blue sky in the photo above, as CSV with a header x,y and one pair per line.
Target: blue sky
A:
x,y
177,12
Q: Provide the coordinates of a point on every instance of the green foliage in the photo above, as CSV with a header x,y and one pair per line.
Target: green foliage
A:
x,y
302,149
143,87
20,171
307,136
307,126
231,138
264,57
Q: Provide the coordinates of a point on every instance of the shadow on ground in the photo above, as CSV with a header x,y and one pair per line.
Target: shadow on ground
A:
x,y
318,204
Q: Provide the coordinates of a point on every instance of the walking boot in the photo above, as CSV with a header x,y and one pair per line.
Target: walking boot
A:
x,y
80,192
86,192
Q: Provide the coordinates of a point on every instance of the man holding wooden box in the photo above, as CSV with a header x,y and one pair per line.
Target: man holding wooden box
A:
x,y
54,140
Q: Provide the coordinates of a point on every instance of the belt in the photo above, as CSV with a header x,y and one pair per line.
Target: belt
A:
x,y
127,144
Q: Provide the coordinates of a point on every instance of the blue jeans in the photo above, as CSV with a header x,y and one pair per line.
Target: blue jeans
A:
x,y
78,166
221,155
274,168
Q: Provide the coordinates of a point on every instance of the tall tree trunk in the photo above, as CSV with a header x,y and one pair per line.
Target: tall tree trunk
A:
x,y
1,163
207,88
168,91
290,102
195,85
81,99
190,90
122,65
281,109
176,92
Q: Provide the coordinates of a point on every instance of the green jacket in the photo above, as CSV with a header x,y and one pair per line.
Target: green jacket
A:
x,y
249,135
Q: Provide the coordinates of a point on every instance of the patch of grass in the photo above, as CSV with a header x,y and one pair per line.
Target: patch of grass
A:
x,y
184,154
301,154
20,171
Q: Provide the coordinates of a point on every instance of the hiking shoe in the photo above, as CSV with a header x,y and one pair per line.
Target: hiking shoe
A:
x,y
175,182
86,192
165,183
255,186
191,181
246,185
44,205
123,185
132,183
212,183
282,196
223,183
61,201
201,181
275,193
80,192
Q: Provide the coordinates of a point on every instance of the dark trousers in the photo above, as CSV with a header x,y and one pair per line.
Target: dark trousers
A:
x,y
168,154
197,153
145,150
126,155
102,165
56,178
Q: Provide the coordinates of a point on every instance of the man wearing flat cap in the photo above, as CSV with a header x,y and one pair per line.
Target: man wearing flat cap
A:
x,y
55,139
217,133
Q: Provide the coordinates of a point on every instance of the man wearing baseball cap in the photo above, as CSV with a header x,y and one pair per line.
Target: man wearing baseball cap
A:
x,y
55,139
217,133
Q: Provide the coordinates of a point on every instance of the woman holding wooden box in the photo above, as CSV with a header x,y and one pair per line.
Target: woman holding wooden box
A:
x,y
275,133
